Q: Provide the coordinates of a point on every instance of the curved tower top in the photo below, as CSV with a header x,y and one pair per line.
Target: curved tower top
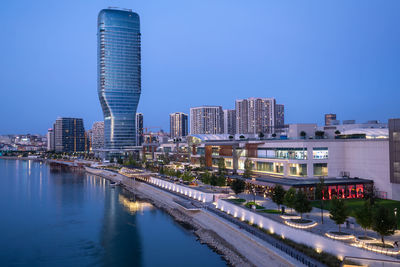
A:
x,y
119,75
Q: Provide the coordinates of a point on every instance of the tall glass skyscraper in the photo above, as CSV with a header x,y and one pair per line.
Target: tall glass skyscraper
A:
x,y
119,75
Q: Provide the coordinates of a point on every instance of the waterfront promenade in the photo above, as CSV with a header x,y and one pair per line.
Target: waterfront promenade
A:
x,y
238,247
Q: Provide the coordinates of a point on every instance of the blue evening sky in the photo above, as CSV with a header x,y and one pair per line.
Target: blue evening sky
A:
x,y
313,56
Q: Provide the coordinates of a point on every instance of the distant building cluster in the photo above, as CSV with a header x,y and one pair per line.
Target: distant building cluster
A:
x,y
23,142
250,116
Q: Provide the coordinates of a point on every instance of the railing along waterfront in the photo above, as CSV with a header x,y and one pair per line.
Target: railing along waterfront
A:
x,y
297,255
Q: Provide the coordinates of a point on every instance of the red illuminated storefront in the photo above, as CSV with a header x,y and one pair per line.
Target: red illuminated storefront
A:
x,y
345,188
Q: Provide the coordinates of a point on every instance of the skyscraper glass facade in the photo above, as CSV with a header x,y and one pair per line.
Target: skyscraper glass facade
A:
x,y
119,75
69,135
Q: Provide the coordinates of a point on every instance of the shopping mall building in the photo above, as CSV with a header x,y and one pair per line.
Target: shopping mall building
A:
x,y
349,163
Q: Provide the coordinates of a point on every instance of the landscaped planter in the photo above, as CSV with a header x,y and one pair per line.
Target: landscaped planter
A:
x,y
378,248
290,216
309,238
340,235
269,211
365,239
300,223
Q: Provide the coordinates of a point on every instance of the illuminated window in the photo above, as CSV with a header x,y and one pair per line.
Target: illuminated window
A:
x,y
321,169
298,169
282,153
320,153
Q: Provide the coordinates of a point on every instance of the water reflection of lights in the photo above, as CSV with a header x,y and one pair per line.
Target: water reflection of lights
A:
x,y
134,206
29,167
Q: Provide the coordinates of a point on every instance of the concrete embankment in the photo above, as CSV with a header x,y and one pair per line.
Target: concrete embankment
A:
x,y
236,247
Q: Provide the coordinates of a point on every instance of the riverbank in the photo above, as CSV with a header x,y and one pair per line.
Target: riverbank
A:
x,y
236,247
22,158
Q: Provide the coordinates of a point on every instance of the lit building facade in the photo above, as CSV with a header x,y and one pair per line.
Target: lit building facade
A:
x,y
255,115
139,129
178,124
50,140
206,120
97,135
69,135
329,118
308,159
394,150
279,116
230,121
119,75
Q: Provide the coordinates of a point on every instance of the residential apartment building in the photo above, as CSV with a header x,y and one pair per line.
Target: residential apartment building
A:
x,y
69,135
206,120
139,129
255,115
50,140
97,135
230,121
178,124
279,116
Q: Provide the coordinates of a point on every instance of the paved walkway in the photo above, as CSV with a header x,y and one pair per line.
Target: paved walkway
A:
x,y
315,215
255,251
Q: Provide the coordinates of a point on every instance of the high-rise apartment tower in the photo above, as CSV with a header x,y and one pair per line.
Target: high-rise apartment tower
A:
x,y
178,124
207,120
69,135
255,115
97,138
229,121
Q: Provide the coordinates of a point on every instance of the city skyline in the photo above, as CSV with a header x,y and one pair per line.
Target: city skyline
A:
x,y
275,133
332,67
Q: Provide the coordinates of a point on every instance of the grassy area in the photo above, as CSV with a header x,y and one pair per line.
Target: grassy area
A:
x,y
270,211
341,233
381,245
237,200
354,204
249,204
365,238
300,220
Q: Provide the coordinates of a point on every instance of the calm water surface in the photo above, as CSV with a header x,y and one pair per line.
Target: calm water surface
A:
x,y
54,218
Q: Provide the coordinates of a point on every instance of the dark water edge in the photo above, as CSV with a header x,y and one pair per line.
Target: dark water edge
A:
x,y
58,218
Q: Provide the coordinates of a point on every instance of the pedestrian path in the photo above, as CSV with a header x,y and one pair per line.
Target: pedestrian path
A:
x,y
315,215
